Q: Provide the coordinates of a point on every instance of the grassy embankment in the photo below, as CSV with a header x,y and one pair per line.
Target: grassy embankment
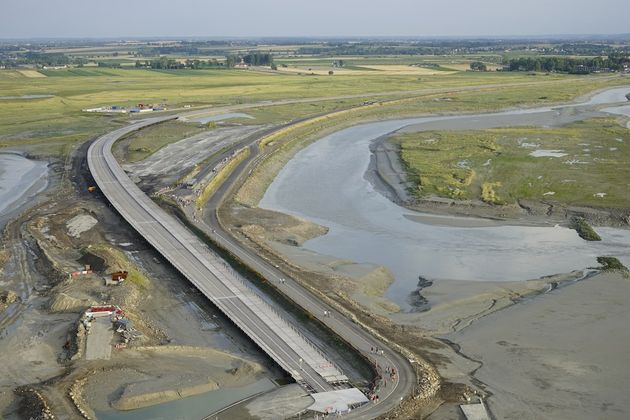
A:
x,y
221,175
585,230
485,99
612,264
496,166
51,126
116,260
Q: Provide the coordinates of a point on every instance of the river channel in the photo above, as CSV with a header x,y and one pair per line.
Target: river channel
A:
x,y
326,183
21,179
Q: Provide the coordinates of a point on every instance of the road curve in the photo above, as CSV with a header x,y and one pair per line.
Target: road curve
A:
x,y
211,275
193,259
391,392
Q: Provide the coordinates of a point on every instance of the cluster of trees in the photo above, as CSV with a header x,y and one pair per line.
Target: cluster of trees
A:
x,y
107,64
175,49
478,66
34,58
584,48
614,62
365,49
251,59
170,64
426,47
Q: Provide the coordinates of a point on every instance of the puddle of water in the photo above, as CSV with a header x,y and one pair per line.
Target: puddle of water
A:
x,y
191,408
25,97
619,110
610,96
21,179
548,153
229,116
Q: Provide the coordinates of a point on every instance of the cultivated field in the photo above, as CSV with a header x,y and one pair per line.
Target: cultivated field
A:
x,y
57,122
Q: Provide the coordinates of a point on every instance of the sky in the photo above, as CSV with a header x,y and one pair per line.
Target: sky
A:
x,y
309,18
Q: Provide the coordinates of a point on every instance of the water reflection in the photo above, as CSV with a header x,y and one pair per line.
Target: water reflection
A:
x,y
325,183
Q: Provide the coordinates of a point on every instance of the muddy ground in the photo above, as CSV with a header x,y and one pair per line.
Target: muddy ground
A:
x,y
184,159
39,319
434,333
463,332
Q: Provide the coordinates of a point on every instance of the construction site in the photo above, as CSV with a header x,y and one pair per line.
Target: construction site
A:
x,y
103,300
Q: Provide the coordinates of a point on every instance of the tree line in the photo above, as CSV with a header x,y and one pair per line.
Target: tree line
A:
x,y
614,62
34,58
165,63
251,59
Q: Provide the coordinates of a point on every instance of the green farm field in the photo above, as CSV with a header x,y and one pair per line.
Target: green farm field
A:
x,y
52,125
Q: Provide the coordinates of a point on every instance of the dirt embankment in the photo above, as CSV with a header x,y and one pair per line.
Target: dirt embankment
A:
x,y
60,237
7,297
275,226
151,375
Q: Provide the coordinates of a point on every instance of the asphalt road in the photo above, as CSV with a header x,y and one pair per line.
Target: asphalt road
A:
x,y
204,269
390,394
190,256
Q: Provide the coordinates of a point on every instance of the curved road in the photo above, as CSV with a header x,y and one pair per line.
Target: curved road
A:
x,y
193,259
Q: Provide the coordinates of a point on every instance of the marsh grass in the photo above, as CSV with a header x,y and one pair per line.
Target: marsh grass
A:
x,y
495,165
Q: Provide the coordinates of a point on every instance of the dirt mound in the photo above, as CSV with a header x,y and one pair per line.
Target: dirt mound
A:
x,y
79,224
62,302
143,394
156,374
6,298
276,226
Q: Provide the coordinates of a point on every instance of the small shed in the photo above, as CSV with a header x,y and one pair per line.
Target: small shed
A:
x,y
339,401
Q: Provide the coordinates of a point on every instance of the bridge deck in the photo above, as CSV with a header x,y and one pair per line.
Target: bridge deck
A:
x,y
297,355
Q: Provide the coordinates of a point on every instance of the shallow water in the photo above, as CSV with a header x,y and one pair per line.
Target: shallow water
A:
x,y
548,153
325,183
609,96
25,97
21,179
191,408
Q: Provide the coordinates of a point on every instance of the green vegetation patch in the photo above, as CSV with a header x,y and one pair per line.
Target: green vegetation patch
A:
x,y
585,230
116,260
611,263
584,163
145,142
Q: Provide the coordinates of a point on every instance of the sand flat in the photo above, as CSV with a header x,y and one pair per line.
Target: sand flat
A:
x,y
559,355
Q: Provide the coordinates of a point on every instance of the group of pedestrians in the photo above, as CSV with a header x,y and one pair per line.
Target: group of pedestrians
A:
x,y
376,350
